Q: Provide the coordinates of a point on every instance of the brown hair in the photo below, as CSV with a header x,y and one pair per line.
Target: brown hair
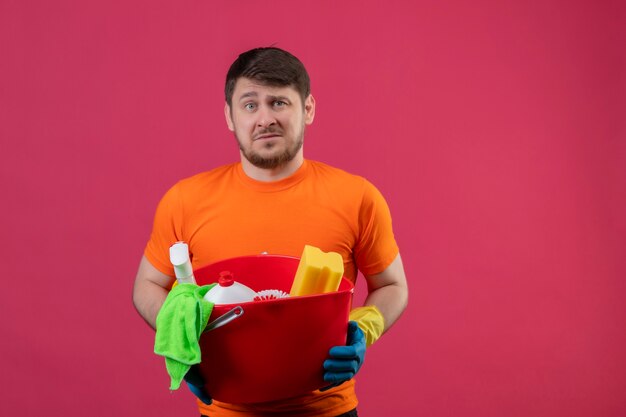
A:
x,y
268,66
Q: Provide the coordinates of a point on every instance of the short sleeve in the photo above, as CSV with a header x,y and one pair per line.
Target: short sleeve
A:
x,y
376,247
166,230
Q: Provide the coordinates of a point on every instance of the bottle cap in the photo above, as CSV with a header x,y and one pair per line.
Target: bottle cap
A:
x,y
225,279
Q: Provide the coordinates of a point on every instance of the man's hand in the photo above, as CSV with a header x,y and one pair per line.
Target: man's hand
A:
x,y
345,361
195,383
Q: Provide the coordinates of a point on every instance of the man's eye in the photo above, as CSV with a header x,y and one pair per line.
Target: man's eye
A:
x,y
279,103
249,106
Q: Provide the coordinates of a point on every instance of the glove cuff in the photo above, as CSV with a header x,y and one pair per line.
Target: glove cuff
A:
x,y
371,321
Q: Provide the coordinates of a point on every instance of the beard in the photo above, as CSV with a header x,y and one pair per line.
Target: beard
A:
x,y
275,160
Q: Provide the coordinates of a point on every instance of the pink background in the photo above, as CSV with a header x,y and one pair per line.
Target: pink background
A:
x,y
496,130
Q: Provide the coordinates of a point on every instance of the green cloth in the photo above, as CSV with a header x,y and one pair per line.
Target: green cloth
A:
x,y
179,324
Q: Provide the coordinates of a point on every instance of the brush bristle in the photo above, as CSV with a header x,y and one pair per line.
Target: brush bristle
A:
x,y
270,295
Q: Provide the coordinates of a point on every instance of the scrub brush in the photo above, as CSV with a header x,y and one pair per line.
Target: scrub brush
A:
x,y
270,295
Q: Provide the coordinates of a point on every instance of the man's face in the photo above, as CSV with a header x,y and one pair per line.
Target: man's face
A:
x,y
268,122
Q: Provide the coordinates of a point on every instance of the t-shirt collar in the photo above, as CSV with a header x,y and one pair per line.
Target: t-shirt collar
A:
x,y
272,186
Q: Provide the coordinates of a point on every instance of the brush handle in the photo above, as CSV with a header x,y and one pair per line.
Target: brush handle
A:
x,y
224,318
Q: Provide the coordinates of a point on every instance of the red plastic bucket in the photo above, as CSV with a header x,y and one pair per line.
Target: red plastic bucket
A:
x,y
276,348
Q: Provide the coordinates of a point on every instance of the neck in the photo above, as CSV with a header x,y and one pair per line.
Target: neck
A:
x,y
272,174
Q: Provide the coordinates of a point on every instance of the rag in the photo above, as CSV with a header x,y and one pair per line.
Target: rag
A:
x,y
179,324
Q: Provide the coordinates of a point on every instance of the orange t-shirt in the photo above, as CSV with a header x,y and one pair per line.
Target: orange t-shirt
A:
x,y
223,214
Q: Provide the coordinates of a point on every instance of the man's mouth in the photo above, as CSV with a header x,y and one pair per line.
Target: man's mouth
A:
x,y
267,136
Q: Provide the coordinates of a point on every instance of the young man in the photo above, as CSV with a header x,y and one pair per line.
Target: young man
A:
x,y
275,201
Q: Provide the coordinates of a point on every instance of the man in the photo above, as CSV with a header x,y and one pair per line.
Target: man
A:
x,y
275,201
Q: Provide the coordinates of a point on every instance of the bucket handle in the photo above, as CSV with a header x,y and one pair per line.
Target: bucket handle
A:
x,y
224,318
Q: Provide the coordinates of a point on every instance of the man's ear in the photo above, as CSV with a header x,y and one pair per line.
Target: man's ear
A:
x,y
309,109
229,118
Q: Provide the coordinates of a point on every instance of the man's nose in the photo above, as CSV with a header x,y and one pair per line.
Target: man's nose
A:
x,y
265,117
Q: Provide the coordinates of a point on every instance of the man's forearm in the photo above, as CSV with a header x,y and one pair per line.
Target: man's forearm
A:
x,y
390,300
389,292
148,298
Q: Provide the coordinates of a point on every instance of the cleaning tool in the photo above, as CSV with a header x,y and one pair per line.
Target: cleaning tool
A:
x,y
179,257
224,318
276,349
345,361
318,272
179,324
270,295
227,291
370,321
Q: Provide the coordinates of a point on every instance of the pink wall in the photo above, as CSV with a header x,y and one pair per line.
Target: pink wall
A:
x,y
495,129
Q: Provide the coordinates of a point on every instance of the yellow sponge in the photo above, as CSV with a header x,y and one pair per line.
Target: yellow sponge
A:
x,y
318,272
